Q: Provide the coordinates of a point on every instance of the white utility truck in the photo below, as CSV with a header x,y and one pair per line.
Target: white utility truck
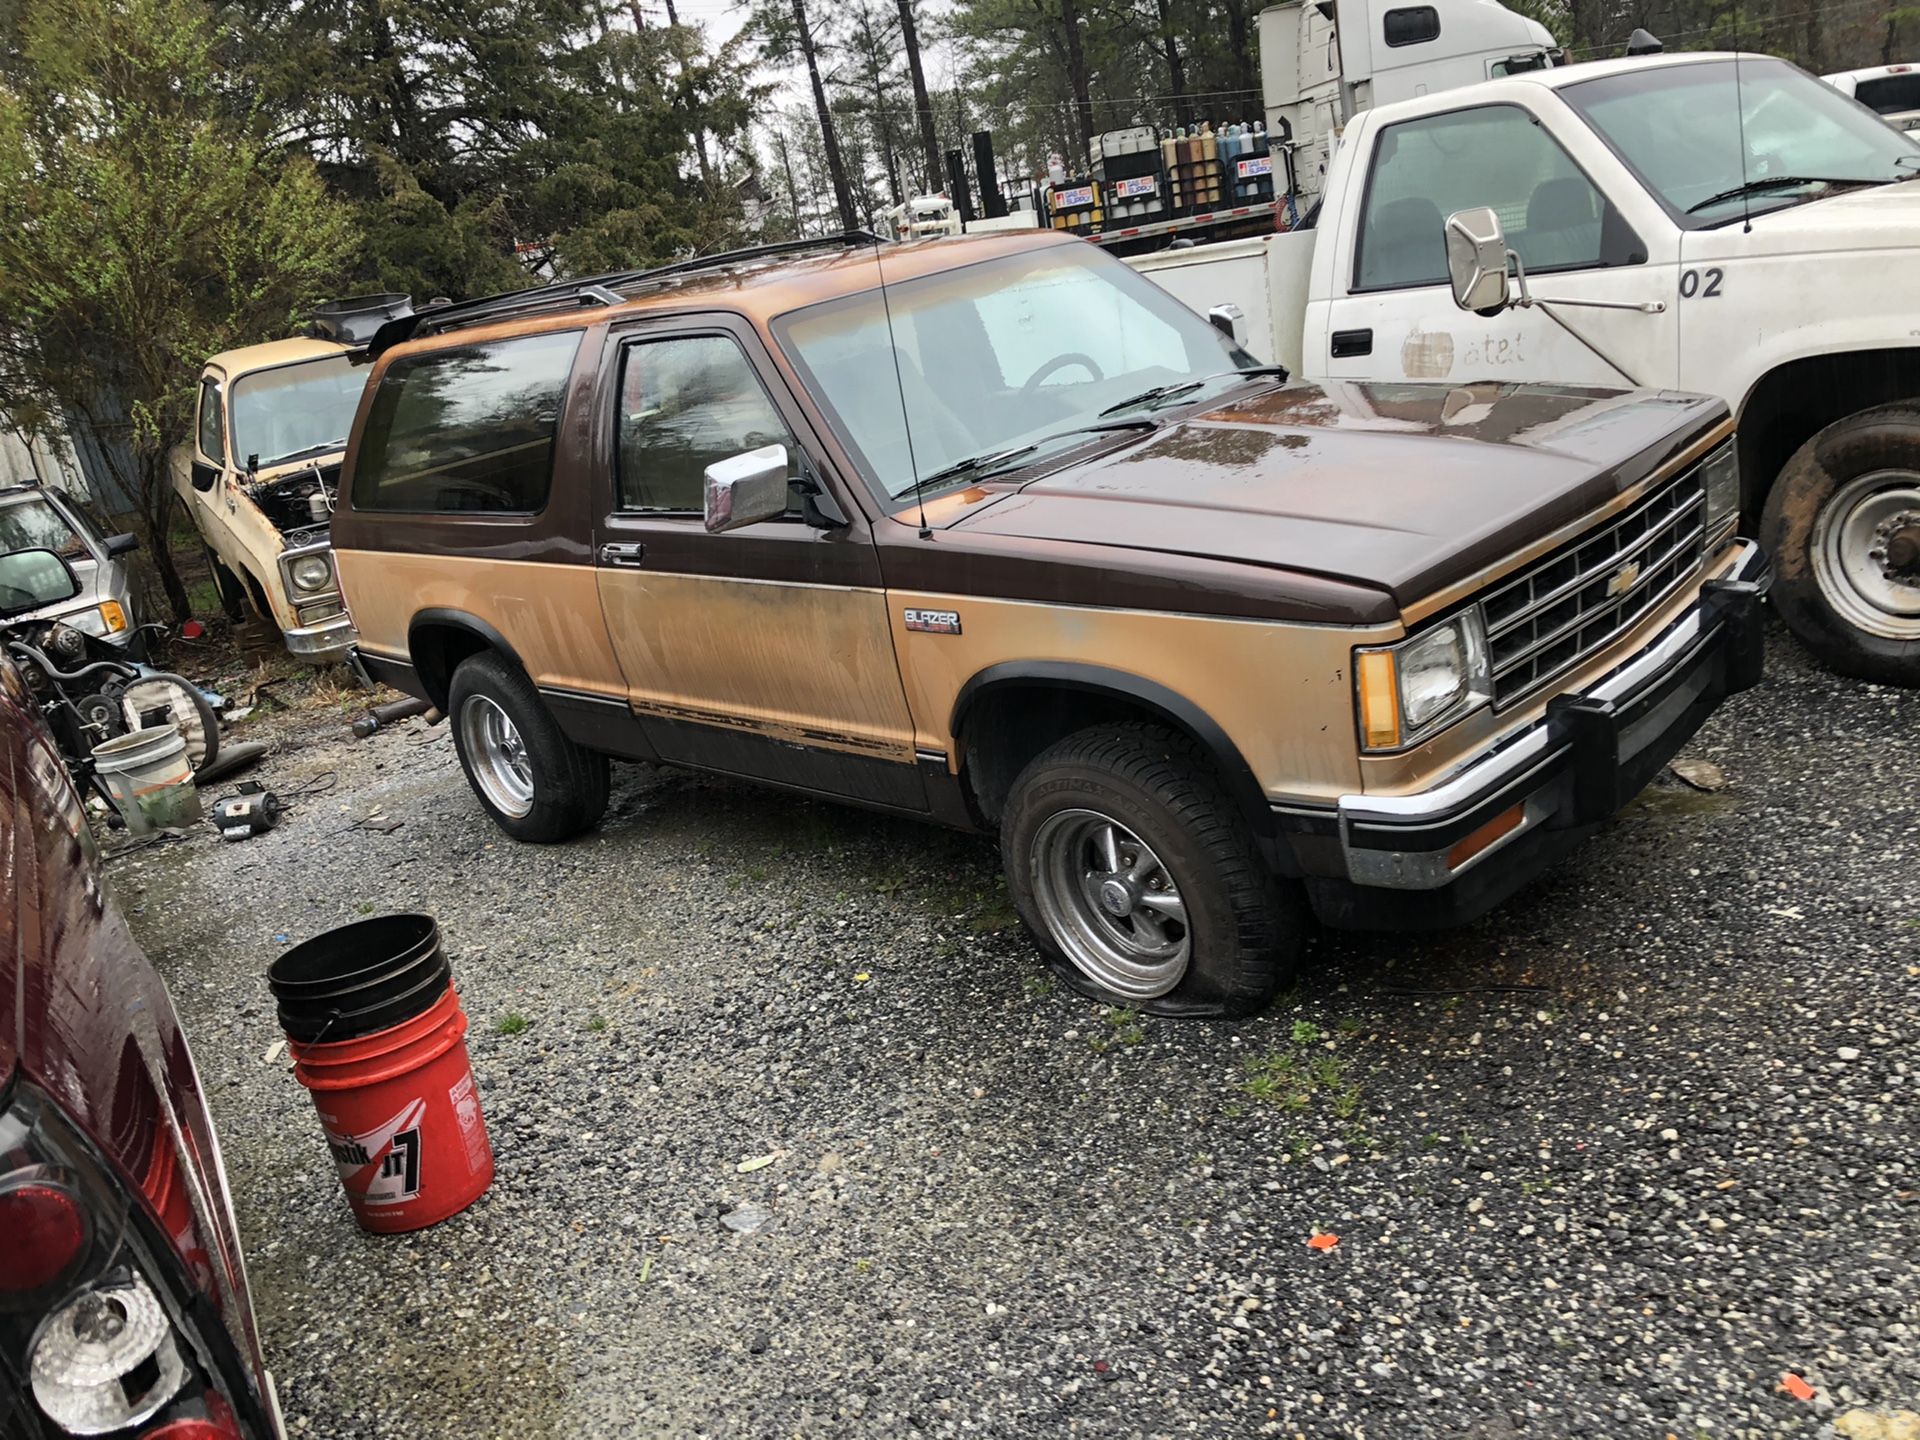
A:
x,y
1699,222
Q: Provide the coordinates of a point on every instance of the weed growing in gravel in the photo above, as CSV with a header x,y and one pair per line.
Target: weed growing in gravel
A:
x,y
1288,1078
365,907
510,1024
1038,987
1349,1026
1126,1028
597,1023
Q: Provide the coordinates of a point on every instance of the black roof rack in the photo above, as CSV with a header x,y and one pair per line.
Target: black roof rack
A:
x,y
596,290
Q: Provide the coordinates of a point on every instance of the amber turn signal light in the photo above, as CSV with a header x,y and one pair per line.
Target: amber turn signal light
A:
x,y
1379,700
114,617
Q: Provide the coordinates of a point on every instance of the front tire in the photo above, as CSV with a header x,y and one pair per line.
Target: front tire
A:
x,y
1139,879
536,783
1842,523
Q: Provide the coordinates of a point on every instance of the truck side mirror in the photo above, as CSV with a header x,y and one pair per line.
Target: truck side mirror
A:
x,y
747,488
1477,261
117,545
1230,321
204,476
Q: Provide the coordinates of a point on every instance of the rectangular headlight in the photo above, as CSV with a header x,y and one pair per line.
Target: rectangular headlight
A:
x,y
1410,691
1720,479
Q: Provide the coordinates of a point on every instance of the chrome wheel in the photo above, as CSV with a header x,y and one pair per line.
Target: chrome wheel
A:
x,y
1866,553
497,756
1110,904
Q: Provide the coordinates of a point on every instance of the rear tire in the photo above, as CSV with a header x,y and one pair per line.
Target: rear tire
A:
x,y
1139,879
1842,523
536,783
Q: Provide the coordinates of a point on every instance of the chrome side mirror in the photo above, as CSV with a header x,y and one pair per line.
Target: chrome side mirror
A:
x,y
1230,321
1477,261
747,488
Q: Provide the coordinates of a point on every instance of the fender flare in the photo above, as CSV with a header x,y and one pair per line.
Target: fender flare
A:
x,y
1169,705
443,618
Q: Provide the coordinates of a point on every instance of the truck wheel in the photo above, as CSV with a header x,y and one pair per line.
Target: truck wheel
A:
x,y
535,782
1843,525
1136,874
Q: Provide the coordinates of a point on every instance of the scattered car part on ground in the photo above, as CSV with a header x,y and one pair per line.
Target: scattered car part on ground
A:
x,y
252,810
392,713
1199,646
125,1297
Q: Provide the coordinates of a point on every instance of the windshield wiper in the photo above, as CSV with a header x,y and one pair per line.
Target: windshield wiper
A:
x,y
339,444
1778,182
1187,387
994,460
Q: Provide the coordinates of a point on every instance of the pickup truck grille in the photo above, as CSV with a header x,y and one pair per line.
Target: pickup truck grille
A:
x,y
1586,594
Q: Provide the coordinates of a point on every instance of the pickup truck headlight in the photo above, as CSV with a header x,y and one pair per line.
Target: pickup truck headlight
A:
x,y
1410,691
1720,478
311,573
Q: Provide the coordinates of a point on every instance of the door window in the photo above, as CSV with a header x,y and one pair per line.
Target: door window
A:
x,y
685,403
1497,155
213,429
469,429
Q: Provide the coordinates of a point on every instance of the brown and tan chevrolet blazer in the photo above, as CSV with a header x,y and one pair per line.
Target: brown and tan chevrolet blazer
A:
x,y
993,531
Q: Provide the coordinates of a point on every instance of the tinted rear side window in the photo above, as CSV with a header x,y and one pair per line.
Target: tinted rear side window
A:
x,y
466,430
1890,94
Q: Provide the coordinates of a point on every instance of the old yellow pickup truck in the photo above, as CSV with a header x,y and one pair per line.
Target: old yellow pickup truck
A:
x,y
260,473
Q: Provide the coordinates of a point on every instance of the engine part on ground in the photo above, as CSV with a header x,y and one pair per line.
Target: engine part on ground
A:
x,y
253,811
378,1038
232,760
392,713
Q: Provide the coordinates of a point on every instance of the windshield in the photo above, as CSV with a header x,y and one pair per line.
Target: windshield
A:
x,y
996,356
295,408
1801,135
36,525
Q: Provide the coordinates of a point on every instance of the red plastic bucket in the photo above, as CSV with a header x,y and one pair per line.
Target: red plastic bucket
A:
x,y
398,1104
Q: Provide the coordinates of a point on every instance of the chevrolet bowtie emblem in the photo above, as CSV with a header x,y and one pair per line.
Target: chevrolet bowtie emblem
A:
x,y
1622,580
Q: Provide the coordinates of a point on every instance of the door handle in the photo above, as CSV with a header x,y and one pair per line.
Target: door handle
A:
x,y
1347,343
623,556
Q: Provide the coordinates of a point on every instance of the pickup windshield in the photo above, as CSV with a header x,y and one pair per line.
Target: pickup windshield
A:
x,y
1804,140
999,356
305,408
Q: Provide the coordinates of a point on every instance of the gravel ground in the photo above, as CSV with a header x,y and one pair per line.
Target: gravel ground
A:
x,y
1608,1164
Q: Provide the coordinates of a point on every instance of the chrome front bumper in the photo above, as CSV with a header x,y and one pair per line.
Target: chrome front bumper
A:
x,y
1501,818
328,641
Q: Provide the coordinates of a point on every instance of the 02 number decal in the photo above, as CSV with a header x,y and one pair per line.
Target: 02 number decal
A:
x,y
1704,283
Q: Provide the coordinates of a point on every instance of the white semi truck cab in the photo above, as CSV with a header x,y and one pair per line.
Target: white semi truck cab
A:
x,y
1324,61
1697,222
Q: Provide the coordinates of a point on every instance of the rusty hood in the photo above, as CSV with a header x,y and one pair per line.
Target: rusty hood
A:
x,y
1402,488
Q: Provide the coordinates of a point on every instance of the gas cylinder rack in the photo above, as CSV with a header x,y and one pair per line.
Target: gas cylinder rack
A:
x,y
1146,188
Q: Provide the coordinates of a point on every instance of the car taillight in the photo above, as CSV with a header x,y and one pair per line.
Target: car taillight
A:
x,y
106,1359
99,1317
43,1231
